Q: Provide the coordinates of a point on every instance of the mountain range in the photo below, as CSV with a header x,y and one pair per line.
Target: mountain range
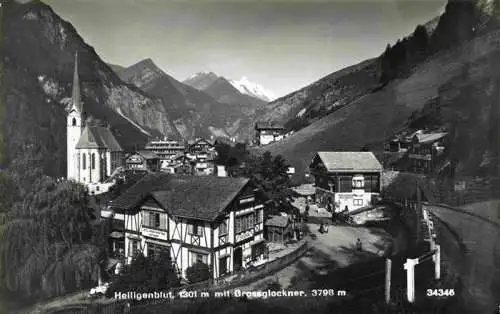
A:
x,y
227,91
208,106
446,75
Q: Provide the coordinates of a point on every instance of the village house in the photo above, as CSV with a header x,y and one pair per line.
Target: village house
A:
x,y
202,152
209,219
167,150
427,151
143,160
266,133
93,152
278,229
346,180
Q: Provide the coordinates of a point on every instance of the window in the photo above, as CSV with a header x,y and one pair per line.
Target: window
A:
x,y
358,183
73,123
358,202
93,161
198,258
260,216
84,161
155,250
151,220
195,229
244,223
133,247
223,228
257,250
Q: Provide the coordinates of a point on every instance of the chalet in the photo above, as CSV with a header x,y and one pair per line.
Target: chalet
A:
x,y
266,133
167,150
346,179
209,219
143,160
427,151
278,229
202,152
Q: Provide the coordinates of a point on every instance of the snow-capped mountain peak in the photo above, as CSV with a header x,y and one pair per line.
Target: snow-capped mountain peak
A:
x,y
245,86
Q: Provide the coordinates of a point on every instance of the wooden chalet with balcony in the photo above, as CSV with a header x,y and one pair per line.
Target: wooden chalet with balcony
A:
x,y
202,152
209,219
346,180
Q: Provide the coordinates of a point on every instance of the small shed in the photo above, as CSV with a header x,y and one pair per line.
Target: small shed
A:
x,y
278,229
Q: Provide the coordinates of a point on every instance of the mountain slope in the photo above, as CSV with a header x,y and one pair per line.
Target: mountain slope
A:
x,y
38,51
463,80
195,113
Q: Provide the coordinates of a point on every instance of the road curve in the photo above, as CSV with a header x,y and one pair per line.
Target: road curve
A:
x,y
478,228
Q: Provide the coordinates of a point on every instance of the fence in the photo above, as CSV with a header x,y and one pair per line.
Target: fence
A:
x,y
246,278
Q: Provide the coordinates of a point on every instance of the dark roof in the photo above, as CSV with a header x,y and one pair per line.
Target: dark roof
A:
x,y
148,154
349,161
198,197
268,126
278,221
98,137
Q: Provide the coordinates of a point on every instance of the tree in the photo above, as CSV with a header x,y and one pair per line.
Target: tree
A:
x,y
8,191
146,274
47,247
198,272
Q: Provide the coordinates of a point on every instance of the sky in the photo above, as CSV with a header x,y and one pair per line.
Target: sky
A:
x,y
282,45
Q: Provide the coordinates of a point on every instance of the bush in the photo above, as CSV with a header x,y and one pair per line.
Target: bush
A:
x,y
197,273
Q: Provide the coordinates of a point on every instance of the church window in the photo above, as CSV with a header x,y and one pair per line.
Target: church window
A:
x,y
84,162
74,122
93,161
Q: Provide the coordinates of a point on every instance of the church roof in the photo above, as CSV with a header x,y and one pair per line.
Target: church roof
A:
x,y
77,103
98,137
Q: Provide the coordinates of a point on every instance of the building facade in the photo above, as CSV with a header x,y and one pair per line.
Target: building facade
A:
x,y
93,152
214,220
346,180
167,150
266,133
202,153
427,151
143,160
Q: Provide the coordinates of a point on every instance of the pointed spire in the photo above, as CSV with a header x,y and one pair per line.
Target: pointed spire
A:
x,y
75,96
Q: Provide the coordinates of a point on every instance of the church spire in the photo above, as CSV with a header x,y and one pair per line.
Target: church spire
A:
x,y
76,96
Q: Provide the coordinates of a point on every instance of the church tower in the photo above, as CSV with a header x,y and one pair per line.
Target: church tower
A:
x,y
74,126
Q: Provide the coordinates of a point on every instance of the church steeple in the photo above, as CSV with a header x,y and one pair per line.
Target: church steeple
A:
x,y
75,95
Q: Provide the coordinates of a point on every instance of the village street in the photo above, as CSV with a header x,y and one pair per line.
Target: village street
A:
x,y
330,251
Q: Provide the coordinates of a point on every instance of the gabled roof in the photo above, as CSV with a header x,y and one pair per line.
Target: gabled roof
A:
x,y
194,142
430,137
268,126
98,137
278,221
349,161
148,154
197,197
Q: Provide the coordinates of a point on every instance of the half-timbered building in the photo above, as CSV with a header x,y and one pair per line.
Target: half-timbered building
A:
x,y
208,219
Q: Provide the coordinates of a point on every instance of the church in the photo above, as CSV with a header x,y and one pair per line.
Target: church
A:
x,y
93,152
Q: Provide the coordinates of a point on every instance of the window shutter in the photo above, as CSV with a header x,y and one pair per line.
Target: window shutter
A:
x,y
145,219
